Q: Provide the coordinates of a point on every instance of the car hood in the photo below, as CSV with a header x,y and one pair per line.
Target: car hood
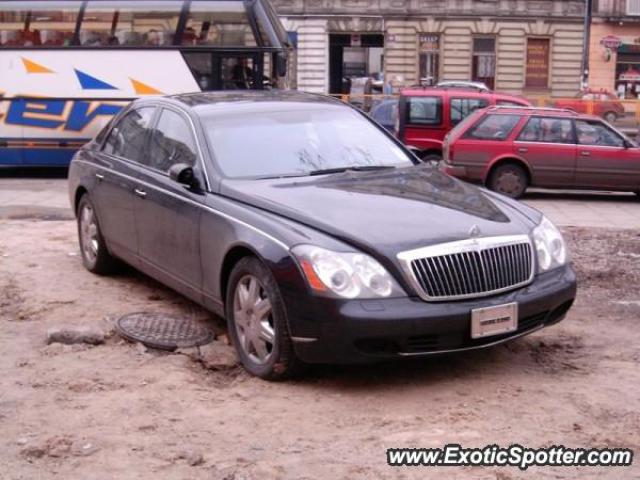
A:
x,y
387,211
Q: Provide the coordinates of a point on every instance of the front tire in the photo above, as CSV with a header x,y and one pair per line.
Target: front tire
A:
x,y
257,322
95,256
610,117
509,179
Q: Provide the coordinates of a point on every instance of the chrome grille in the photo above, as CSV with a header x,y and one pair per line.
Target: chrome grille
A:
x,y
470,268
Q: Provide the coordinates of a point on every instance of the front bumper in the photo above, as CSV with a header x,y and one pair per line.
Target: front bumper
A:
x,y
358,331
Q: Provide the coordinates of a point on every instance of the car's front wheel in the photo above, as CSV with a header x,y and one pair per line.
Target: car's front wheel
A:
x,y
257,322
95,256
610,117
509,179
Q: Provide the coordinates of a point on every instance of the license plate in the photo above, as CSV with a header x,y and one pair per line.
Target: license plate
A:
x,y
494,320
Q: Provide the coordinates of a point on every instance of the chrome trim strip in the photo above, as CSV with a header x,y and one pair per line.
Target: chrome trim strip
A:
x,y
187,200
464,246
477,347
304,339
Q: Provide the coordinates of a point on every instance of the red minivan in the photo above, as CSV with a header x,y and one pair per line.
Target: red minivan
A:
x,y
511,148
426,115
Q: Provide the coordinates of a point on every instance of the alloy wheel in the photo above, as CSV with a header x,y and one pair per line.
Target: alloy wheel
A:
x,y
89,233
253,319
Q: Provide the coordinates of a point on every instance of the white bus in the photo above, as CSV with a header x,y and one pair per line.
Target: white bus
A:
x,y
66,67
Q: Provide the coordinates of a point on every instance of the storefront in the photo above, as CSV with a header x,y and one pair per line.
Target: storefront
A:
x,y
614,60
526,47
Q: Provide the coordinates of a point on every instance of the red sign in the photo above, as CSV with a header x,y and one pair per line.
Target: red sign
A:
x,y
537,63
611,41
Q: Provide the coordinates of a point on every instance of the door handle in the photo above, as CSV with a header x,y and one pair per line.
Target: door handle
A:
x,y
523,150
140,193
585,153
99,176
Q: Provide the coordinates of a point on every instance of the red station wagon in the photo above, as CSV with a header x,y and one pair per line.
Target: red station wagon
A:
x,y
426,115
511,148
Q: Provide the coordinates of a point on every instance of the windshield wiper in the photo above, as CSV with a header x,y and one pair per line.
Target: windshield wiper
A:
x,y
357,168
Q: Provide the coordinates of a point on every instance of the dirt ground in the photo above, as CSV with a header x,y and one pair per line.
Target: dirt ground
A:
x,y
115,411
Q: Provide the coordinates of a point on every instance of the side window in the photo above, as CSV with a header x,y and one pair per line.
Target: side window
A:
x,y
128,137
425,111
462,107
596,133
493,127
547,130
171,142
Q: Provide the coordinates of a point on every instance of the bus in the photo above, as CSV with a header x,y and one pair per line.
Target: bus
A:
x,y
67,67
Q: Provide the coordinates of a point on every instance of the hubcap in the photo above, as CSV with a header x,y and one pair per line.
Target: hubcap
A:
x,y
88,234
253,319
509,183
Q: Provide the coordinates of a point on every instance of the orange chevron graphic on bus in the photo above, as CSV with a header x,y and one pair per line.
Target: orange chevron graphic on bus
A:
x,y
143,89
33,67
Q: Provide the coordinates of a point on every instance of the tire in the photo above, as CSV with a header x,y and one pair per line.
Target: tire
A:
x,y
262,339
432,158
610,117
509,179
95,256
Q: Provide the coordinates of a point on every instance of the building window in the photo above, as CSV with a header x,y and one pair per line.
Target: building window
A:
x,y
537,75
484,61
633,7
429,58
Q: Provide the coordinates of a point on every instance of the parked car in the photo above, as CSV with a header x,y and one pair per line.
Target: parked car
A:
x,y
602,103
315,233
386,113
426,115
509,149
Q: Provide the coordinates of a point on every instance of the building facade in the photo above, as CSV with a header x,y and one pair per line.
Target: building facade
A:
x,y
531,47
614,47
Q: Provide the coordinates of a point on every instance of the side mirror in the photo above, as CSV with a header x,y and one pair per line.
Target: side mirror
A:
x,y
628,144
184,174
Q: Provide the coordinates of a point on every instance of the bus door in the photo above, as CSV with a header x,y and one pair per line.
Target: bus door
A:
x,y
227,70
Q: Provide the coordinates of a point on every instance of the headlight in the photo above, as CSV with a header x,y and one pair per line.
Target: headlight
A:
x,y
345,274
550,246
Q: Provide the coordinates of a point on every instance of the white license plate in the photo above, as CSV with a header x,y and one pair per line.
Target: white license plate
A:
x,y
494,320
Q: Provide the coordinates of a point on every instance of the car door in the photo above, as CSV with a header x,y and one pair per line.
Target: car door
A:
x,y
116,180
605,160
548,146
422,122
167,212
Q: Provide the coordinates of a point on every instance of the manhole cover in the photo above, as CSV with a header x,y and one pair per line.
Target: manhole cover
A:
x,y
158,330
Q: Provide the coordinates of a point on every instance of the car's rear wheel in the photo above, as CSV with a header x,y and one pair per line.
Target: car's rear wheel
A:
x,y
257,322
509,179
610,117
95,256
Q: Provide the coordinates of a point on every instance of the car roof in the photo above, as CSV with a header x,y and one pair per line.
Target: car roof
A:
x,y
456,91
541,111
221,101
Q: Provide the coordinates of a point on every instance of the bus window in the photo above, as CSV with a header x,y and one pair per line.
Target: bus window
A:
x,y
25,24
218,23
113,23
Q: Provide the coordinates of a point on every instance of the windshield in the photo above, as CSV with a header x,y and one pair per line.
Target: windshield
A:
x,y
298,141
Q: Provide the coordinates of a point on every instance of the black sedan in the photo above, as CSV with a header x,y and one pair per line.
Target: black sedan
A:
x,y
316,234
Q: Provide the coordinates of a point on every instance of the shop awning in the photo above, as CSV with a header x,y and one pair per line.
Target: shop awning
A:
x,y
631,75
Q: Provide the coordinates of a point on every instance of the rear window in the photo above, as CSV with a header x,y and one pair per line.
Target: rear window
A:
x,y
424,110
493,127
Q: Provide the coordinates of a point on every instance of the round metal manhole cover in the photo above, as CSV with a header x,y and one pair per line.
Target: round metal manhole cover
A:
x,y
162,331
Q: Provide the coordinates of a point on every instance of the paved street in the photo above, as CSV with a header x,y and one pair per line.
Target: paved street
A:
x,y
47,198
